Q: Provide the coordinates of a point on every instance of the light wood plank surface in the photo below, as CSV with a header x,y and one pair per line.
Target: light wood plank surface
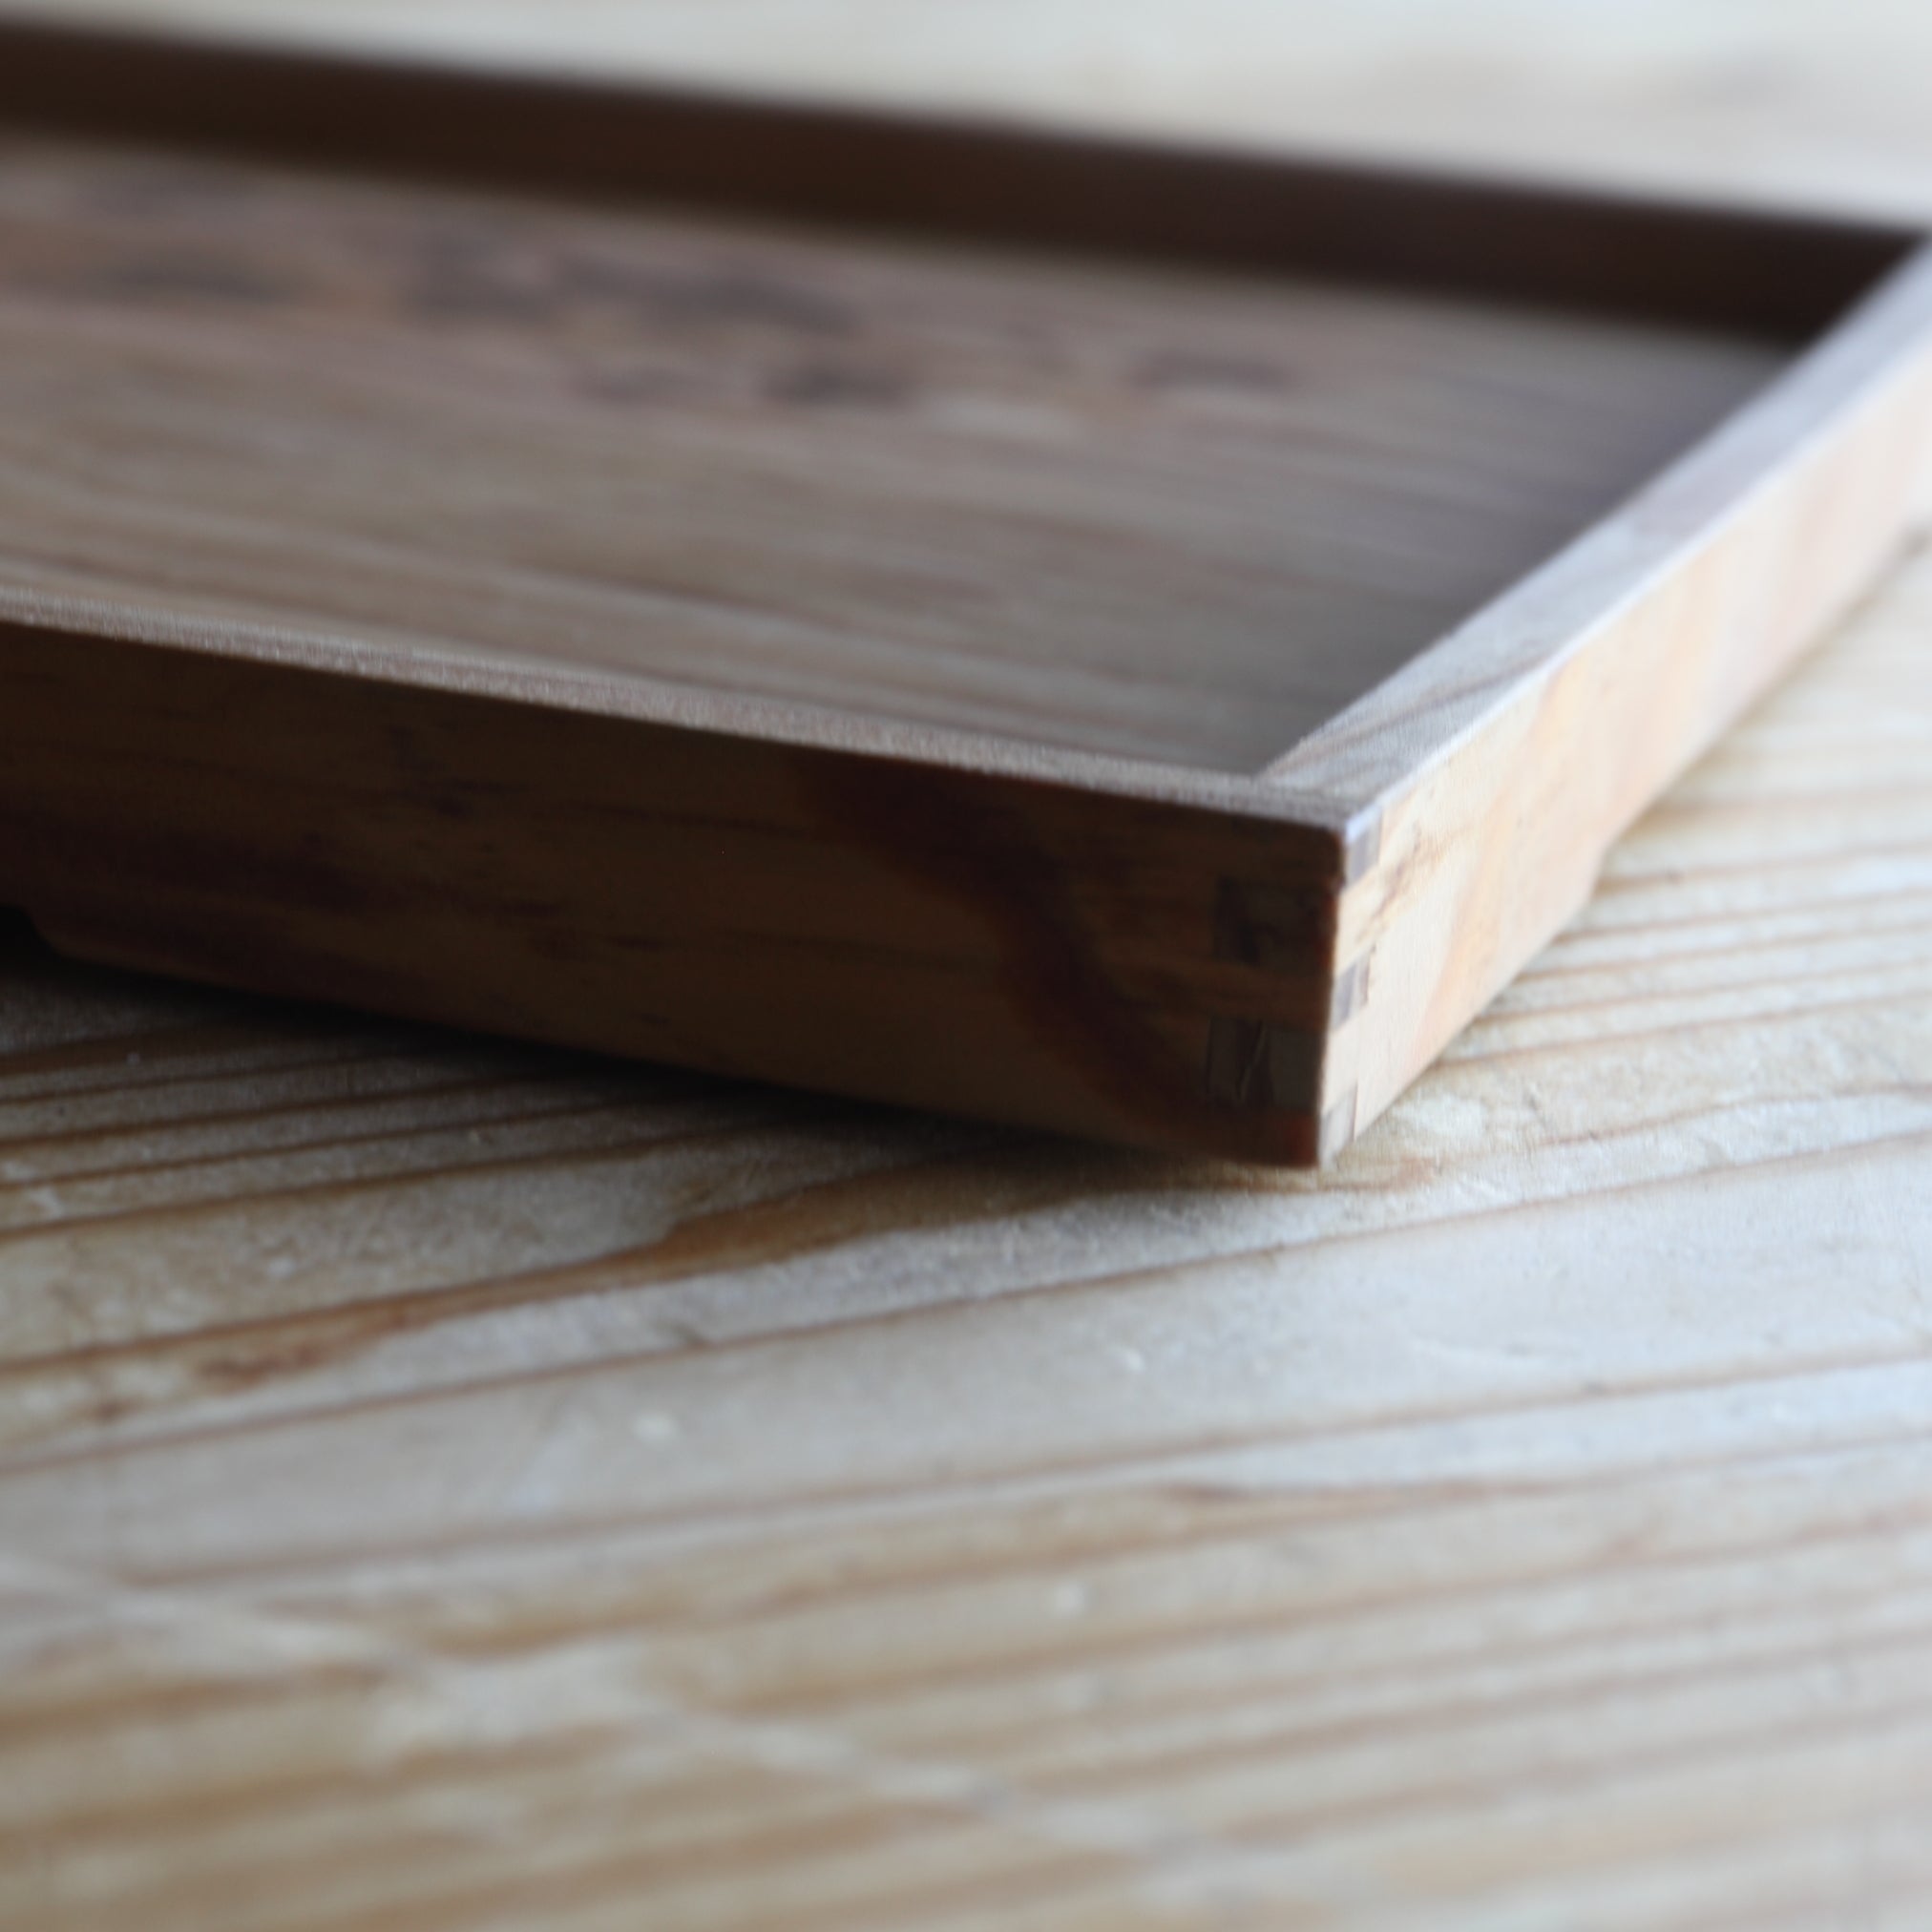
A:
x,y
444,1485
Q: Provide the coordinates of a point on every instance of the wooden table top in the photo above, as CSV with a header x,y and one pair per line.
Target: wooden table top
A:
x,y
444,1484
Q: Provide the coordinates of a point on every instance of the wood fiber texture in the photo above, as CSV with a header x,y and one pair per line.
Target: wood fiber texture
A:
x,y
1120,508
459,1485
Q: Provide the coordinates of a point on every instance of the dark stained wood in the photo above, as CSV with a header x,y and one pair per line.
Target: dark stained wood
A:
x,y
568,561
905,932
1123,510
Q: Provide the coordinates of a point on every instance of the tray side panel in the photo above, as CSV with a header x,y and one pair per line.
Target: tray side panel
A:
x,y
1460,876
1140,972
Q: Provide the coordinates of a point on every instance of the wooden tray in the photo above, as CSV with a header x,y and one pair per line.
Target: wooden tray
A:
x,y
1139,641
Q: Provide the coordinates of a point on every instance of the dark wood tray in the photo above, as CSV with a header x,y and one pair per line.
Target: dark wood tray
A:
x,y
1139,641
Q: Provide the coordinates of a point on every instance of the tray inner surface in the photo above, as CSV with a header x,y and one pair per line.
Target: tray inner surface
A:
x,y
1115,506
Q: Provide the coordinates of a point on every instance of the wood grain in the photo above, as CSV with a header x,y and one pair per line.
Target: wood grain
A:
x,y
1552,723
784,606
1111,508
446,1485
1003,948
450,1484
